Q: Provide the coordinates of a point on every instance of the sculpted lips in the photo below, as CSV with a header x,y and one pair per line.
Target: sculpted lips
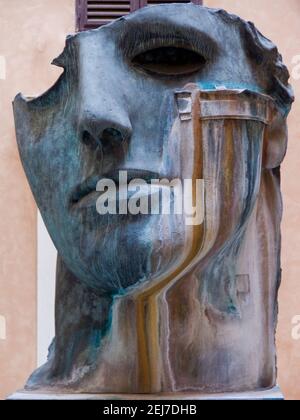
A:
x,y
86,193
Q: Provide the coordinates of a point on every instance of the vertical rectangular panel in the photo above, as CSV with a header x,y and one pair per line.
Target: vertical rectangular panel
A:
x,y
46,291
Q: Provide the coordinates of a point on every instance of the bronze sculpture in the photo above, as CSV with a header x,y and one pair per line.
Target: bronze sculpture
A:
x,y
148,303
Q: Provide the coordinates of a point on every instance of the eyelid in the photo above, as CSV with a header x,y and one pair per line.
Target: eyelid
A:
x,y
158,42
136,39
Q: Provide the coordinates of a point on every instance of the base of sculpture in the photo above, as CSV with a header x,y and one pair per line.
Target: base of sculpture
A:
x,y
269,394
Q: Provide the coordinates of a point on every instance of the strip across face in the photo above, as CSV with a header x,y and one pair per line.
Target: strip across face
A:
x,y
115,109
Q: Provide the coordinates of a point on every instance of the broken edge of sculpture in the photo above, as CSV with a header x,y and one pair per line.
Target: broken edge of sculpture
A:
x,y
149,304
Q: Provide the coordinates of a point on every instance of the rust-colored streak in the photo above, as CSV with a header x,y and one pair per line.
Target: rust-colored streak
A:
x,y
229,127
147,307
144,375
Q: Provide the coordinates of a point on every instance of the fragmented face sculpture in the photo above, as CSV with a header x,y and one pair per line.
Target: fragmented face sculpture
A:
x,y
148,303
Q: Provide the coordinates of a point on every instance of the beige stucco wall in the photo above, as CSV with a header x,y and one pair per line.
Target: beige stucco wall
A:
x,y
32,32
279,21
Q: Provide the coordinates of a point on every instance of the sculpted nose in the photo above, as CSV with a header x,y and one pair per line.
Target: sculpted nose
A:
x,y
104,128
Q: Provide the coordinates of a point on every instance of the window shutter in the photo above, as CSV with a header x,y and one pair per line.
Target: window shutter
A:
x,y
153,2
94,13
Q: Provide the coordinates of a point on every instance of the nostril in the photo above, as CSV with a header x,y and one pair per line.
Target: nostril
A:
x,y
89,140
111,136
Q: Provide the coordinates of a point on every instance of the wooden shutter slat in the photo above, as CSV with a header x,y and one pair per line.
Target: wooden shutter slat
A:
x,y
149,2
154,2
92,24
109,7
99,2
106,13
173,1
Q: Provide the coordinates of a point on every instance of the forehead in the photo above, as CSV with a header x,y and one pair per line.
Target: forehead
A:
x,y
167,20
237,55
174,15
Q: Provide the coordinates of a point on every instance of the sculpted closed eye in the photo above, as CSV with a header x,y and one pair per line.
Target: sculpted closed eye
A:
x,y
170,61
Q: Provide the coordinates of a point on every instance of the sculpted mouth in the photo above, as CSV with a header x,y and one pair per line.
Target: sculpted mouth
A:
x,y
86,191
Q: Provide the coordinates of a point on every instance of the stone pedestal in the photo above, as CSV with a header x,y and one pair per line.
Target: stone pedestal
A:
x,y
270,394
